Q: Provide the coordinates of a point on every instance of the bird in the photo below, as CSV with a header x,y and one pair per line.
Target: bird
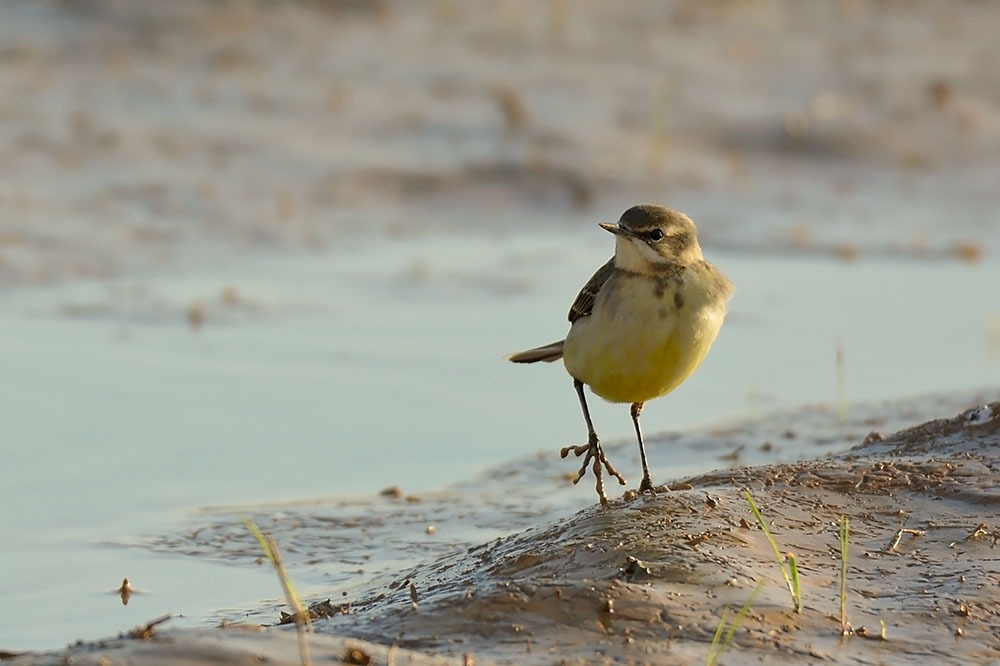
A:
x,y
640,326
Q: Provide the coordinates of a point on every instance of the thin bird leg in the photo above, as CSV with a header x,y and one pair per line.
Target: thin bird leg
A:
x,y
647,482
593,450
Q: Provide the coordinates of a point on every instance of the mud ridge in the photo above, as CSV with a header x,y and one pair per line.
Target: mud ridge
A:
x,y
645,580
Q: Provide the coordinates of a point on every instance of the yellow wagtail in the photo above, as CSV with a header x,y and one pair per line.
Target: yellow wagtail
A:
x,y
641,325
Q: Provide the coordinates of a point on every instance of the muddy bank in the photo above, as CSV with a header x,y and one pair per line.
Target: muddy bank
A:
x,y
646,580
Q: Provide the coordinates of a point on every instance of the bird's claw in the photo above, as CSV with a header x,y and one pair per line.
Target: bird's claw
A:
x,y
594,451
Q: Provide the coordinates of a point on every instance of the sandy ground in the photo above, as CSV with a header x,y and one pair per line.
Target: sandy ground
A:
x,y
645,580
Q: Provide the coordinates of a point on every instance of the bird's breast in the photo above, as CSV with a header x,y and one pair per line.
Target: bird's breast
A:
x,y
647,334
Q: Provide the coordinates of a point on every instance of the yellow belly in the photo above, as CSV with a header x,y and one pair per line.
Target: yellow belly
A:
x,y
637,344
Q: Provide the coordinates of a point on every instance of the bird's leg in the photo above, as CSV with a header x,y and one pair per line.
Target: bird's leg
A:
x,y
647,482
593,450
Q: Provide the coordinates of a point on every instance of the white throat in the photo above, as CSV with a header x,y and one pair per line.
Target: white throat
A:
x,y
632,254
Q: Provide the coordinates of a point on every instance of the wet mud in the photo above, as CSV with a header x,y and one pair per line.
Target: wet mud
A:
x,y
646,579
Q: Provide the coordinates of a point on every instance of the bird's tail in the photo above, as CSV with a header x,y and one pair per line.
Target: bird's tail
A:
x,y
548,353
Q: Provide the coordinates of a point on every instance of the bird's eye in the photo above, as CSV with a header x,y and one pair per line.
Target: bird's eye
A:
x,y
656,235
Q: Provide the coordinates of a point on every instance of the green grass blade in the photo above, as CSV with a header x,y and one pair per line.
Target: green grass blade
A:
x,y
716,649
796,597
302,621
719,646
261,539
793,569
738,620
268,546
844,535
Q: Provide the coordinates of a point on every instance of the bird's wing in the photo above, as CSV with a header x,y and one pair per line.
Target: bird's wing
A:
x,y
584,303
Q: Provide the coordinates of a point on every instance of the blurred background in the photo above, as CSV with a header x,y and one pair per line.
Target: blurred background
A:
x,y
263,251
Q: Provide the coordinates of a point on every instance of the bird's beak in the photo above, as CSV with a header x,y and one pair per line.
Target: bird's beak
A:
x,y
617,230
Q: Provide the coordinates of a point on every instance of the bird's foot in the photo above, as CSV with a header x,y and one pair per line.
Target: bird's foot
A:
x,y
594,451
645,488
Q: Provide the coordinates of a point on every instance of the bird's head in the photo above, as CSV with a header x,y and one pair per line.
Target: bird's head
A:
x,y
651,236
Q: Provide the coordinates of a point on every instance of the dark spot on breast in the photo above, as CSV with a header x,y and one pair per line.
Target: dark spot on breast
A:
x,y
658,288
662,312
678,299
